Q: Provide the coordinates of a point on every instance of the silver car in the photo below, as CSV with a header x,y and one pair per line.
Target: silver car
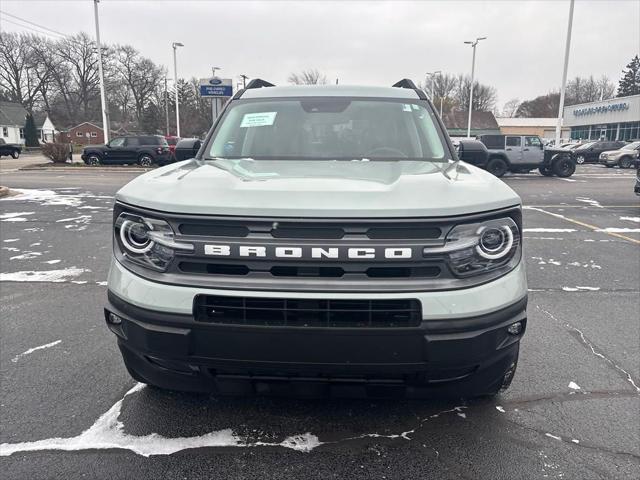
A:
x,y
624,157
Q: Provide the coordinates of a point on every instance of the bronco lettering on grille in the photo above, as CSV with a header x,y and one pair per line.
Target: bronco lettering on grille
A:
x,y
330,253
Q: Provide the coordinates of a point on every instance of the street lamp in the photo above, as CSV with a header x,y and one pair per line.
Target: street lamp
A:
x,y
213,70
431,75
103,97
175,46
567,47
244,80
473,71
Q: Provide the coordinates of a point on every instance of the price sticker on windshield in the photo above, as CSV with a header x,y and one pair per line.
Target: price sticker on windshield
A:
x,y
260,119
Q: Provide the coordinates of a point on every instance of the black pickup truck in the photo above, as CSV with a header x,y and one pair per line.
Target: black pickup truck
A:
x,y
10,149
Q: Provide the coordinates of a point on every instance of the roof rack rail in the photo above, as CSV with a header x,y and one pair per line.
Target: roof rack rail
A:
x,y
258,83
405,83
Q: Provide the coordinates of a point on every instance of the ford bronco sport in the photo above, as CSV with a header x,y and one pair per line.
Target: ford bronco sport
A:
x,y
325,240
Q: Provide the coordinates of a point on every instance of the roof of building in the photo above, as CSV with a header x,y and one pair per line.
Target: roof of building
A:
x,y
457,120
12,114
330,91
527,122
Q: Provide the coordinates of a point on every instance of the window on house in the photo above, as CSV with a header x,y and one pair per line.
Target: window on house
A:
x,y
22,133
79,134
94,134
5,131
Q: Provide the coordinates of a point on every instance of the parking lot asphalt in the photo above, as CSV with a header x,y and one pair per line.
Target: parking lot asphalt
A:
x,y
68,409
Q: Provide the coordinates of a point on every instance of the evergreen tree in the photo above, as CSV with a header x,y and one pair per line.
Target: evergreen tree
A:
x,y
30,132
630,82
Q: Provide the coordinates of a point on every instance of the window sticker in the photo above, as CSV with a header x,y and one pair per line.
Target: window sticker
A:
x,y
259,119
406,107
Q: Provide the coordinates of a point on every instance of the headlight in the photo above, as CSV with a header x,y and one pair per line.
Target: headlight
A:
x,y
147,241
477,248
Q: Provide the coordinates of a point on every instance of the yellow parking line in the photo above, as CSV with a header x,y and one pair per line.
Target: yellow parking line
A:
x,y
592,227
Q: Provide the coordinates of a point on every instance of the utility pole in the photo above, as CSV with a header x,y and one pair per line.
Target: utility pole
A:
x,y
103,97
175,46
166,105
473,71
567,47
244,80
214,100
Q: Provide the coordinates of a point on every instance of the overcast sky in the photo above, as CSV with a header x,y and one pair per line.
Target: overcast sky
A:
x,y
362,42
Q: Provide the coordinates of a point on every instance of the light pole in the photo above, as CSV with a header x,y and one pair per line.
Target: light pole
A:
x,y
431,75
244,80
473,71
166,105
564,75
214,100
103,97
175,46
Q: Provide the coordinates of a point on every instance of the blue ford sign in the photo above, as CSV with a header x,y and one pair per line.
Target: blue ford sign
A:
x,y
613,107
216,87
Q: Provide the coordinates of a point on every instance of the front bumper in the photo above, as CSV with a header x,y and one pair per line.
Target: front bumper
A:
x,y
445,355
608,161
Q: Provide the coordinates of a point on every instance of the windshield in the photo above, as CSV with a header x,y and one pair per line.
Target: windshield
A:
x,y
586,145
632,146
328,128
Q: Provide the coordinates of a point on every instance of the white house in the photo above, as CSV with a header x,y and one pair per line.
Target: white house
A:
x,y
12,120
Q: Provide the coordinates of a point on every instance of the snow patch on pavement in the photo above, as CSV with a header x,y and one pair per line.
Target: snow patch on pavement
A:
x,y
52,262
61,275
31,350
26,256
574,386
631,219
10,240
7,217
577,289
108,433
593,203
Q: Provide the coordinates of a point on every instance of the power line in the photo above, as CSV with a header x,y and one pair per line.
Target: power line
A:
x,y
41,32
33,23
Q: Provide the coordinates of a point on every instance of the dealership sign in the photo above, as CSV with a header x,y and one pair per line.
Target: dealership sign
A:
x,y
216,87
613,107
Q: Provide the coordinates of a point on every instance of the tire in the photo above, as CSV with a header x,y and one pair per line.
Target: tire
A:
x,y
544,170
15,154
563,167
580,159
609,166
94,160
625,162
497,166
145,160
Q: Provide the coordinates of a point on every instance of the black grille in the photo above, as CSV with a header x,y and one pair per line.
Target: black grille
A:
x,y
397,313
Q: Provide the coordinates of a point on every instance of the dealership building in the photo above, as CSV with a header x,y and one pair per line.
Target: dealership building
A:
x,y
612,119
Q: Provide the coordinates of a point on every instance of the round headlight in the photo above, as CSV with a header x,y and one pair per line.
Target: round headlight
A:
x,y
494,242
135,236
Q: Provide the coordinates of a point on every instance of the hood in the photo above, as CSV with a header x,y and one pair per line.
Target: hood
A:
x,y
322,189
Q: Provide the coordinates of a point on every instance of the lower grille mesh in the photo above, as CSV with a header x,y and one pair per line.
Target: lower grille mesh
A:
x,y
307,312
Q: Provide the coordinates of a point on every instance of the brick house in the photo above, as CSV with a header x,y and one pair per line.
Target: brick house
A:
x,y
86,133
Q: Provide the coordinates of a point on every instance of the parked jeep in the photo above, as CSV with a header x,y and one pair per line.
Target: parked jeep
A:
x,y
144,150
10,149
523,153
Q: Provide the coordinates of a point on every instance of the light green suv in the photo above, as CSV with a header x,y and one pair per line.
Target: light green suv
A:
x,y
325,240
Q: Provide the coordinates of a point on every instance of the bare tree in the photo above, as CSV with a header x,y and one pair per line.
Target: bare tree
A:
x,y
308,77
484,96
544,106
18,69
510,108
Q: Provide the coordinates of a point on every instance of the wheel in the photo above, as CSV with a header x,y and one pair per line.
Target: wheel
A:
x,y
563,167
145,160
546,171
625,162
15,154
580,159
497,167
94,160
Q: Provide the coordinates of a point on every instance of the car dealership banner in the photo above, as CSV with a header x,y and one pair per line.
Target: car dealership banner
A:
x,y
216,87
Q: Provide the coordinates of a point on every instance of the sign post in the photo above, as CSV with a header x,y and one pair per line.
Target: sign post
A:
x,y
216,89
